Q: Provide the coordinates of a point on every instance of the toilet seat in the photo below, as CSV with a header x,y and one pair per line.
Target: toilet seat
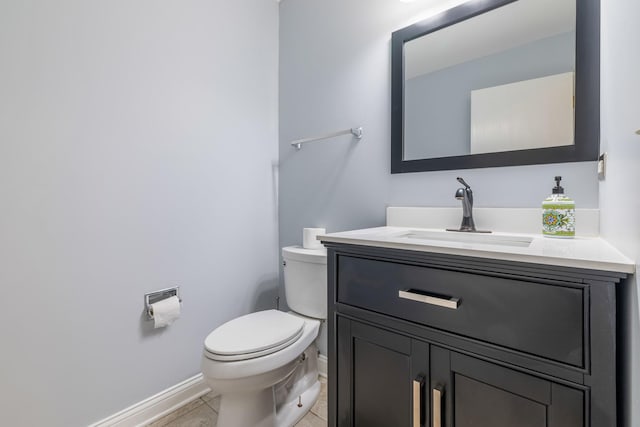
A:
x,y
225,373
253,335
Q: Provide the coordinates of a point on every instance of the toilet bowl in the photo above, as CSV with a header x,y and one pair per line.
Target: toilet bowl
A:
x,y
264,364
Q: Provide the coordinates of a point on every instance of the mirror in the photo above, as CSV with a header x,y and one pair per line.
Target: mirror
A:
x,y
497,83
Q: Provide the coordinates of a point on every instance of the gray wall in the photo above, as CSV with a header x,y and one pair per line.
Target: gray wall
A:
x,y
438,104
335,74
137,148
619,196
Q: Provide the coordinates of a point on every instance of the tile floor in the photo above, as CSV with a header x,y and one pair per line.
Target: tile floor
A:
x,y
203,412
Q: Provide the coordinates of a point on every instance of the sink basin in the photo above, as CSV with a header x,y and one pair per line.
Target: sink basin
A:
x,y
462,237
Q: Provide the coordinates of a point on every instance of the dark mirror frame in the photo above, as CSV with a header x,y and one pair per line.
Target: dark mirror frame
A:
x,y
587,95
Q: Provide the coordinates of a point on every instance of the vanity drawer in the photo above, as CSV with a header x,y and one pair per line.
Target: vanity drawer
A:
x,y
535,318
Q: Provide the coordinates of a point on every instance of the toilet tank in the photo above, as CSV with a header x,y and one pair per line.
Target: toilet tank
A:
x,y
305,280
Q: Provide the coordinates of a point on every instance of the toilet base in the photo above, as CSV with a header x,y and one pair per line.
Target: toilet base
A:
x,y
234,413
275,406
248,409
290,413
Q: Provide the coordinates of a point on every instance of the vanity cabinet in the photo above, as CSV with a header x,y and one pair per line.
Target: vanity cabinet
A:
x,y
427,339
380,368
474,393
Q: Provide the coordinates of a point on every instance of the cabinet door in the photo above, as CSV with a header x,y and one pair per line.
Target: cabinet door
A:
x,y
468,392
382,377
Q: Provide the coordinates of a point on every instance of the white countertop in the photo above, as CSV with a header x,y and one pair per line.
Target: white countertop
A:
x,y
580,252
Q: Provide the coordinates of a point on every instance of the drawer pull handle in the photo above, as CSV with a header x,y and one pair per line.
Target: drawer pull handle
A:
x,y
437,406
440,301
418,385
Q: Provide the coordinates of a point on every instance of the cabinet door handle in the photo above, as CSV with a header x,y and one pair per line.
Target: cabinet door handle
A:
x,y
418,386
437,406
420,296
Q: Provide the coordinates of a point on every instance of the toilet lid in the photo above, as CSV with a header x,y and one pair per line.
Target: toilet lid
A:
x,y
253,335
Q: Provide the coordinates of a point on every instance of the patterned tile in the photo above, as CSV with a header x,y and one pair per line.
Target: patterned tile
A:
x,y
311,420
213,400
202,416
320,408
177,413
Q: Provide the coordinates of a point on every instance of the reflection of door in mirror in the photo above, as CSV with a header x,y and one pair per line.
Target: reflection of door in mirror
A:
x,y
500,81
527,114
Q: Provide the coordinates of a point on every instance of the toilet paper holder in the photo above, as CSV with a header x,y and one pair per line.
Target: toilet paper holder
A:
x,y
155,296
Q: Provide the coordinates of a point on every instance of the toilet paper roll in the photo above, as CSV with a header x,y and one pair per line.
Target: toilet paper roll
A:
x,y
309,237
165,312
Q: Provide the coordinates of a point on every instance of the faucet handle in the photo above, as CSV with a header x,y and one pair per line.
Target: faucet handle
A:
x,y
461,181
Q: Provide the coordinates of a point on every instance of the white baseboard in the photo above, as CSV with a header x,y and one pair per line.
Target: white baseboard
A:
x,y
157,406
323,366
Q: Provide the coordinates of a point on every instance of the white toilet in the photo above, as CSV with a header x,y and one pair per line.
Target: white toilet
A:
x,y
265,364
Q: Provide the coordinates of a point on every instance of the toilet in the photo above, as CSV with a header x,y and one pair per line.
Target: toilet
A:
x,y
265,364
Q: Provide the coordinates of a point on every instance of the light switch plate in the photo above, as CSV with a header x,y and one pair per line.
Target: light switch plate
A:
x,y
602,165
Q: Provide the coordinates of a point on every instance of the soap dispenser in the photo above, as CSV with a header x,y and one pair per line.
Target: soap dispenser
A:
x,y
558,214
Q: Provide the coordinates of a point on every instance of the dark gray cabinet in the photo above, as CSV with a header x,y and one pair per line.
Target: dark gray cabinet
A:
x,y
478,393
380,369
424,339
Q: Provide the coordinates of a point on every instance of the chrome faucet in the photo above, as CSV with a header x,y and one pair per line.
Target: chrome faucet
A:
x,y
466,196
